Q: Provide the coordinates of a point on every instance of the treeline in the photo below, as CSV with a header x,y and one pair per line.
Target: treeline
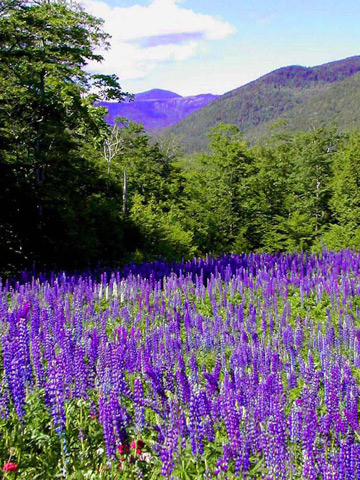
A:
x,y
75,192
297,192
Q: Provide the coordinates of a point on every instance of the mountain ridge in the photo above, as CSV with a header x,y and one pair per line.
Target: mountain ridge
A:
x,y
267,99
157,109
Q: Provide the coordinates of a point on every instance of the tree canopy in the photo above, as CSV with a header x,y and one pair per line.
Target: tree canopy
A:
x,y
47,115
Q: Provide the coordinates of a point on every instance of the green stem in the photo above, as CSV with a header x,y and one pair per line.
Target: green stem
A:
x,y
82,433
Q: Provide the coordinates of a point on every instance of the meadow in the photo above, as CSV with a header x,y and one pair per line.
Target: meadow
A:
x,y
218,368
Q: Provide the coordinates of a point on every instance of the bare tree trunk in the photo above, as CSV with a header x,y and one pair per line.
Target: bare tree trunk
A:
x,y
124,194
39,167
317,212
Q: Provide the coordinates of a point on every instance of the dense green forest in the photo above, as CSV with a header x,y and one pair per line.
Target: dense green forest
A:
x,y
76,192
300,96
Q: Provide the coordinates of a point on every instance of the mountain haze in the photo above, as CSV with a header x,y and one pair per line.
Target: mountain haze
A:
x,y
303,96
157,109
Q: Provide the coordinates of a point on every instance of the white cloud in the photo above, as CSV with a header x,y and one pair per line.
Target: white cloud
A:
x,y
145,37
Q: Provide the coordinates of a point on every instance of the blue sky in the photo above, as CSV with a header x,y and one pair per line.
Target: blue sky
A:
x,y
213,46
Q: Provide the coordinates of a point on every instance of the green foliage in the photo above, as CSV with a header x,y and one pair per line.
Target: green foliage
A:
x,y
281,196
64,202
161,232
220,193
46,116
345,199
76,192
346,182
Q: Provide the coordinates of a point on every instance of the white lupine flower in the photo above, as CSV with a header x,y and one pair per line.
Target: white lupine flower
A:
x,y
114,290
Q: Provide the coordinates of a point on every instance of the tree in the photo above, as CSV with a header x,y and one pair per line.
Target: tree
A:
x,y
229,169
269,193
312,154
47,113
344,230
305,159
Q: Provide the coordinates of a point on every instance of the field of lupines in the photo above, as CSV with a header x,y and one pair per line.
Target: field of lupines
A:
x,y
238,367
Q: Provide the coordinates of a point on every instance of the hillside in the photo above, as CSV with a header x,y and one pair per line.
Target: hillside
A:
x,y
157,109
303,95
339,103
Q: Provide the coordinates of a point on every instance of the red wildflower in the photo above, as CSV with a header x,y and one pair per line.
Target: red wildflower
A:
x,y
140,444
133,444
138,451
123,449
10,467
92,415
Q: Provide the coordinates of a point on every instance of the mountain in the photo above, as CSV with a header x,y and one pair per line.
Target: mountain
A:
x,y
339,103
156,94
303,96
157,109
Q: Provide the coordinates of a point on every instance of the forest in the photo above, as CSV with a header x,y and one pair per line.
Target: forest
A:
x,y
76,192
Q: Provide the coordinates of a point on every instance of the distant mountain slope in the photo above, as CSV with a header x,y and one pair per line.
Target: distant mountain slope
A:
x,y
255,106
157,109
339,103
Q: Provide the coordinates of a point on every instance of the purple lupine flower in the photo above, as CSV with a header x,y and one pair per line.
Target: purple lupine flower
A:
x,y
183,386
139,404
231,419
355,461
274,443
252,433
156,382
39,371
194,420
344,461
332,385
309,471
14,372
23,344
55,394
329,472
92,354
170,443
299,335
295,422
194,368
212,382
120,417
80,372
106,420
184,430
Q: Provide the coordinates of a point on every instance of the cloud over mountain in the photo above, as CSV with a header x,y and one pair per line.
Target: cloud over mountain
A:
x,y
145,36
